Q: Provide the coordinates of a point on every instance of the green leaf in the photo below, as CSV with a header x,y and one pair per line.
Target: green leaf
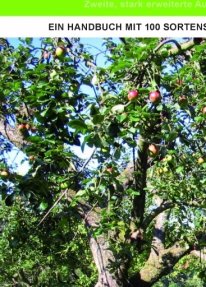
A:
x,y
132,192
81,192
78,125
98,119
180,169
35,139
122,117
43,205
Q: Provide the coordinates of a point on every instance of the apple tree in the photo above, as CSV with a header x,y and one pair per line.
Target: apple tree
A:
x,y
130,213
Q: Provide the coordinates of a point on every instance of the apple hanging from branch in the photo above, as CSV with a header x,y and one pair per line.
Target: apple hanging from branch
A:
x,y
63,185
32,157
24,127
21,127
46,55
182,100
204,110
153,150
133,94
200,160
109,169
118,109
154,96
27,126
60,52
4,173
168,158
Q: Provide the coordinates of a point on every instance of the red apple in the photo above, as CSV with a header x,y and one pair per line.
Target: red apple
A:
x,y
27,126
31,157
46,55
154,96
182,100
109,169
132,95
153,150
21,127
204,111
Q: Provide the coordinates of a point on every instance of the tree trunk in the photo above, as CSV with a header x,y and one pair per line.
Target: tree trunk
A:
x,y
161,260
157,266
108,274
103,259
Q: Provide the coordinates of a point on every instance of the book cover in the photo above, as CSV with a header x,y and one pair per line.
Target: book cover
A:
x,y
103,143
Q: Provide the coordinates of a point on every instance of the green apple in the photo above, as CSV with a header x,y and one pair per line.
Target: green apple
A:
x,y
60,52
63,185
168,158
4,173
200,160
118,109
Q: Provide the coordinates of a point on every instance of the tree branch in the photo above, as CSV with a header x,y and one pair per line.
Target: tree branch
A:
x,y
163,207
167,205
179,49
159,265
201,254
12,134
159,228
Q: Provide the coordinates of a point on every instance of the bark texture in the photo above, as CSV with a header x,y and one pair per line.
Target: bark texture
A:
x,y
160,261
103,259
102,255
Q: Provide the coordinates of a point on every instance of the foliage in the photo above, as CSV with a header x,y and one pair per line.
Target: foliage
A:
x,y
52,108
53,255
